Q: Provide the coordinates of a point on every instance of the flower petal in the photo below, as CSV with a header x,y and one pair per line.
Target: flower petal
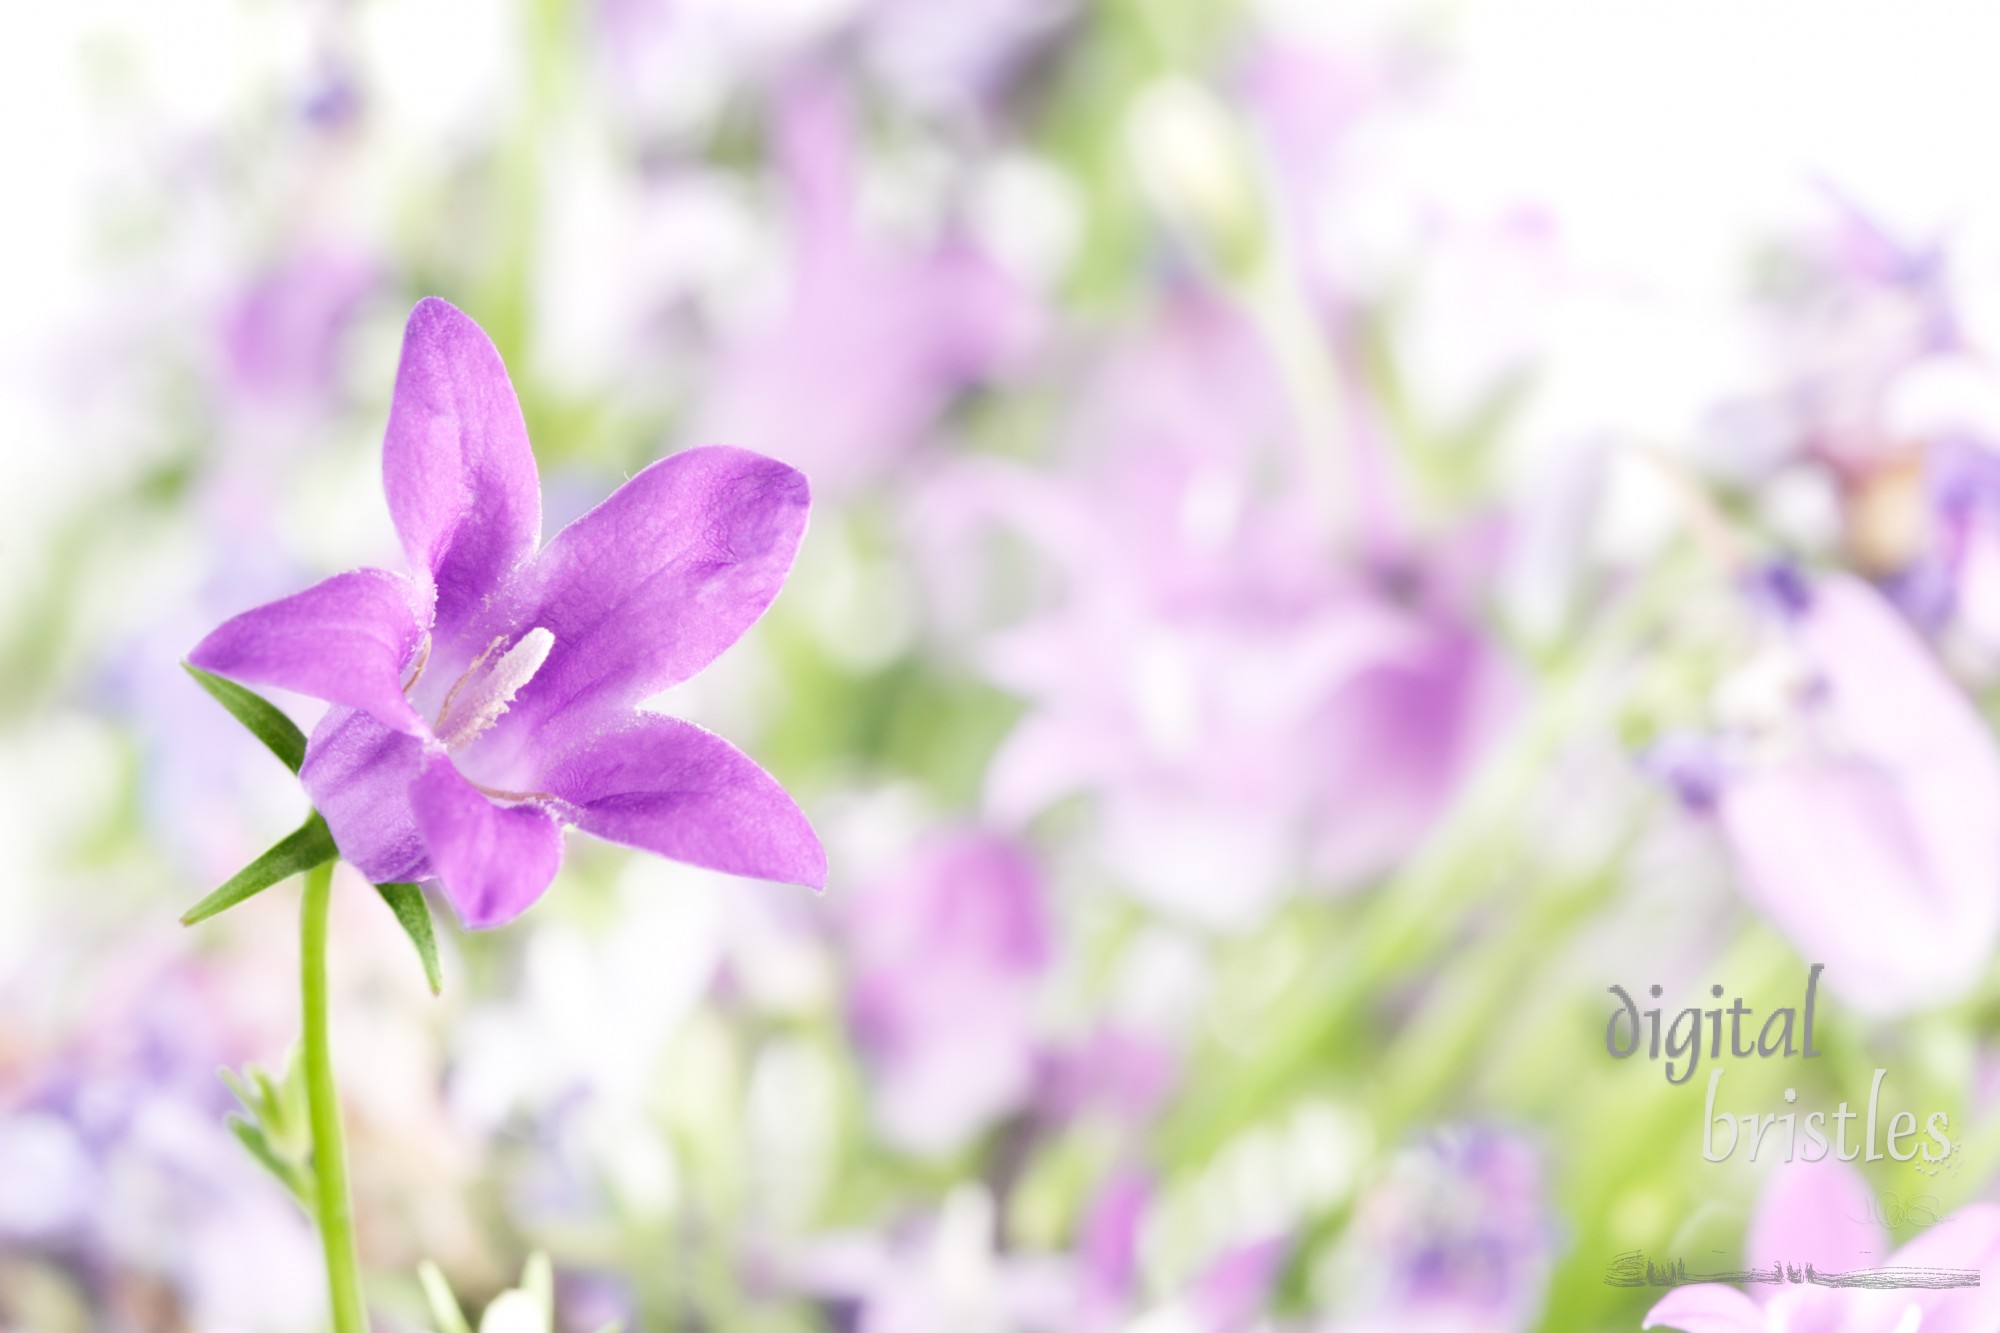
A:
x,y
647,588
667,786
1819,1213
1881,858
947,954
1829,850
1707,1308
347,640
494,861
461,478
1968,1238
358,774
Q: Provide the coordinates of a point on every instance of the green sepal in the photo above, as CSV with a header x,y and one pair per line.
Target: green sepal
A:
x,y
413,913
264,719
276,1131
308,846
294,1177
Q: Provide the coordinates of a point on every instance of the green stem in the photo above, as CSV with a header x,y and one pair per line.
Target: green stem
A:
x,y
336,1214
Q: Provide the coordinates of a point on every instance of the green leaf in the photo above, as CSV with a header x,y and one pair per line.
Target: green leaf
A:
x,y
437,1294
266,721
310,845
407,902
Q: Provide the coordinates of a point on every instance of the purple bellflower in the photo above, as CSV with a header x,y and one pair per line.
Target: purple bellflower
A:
x,y
488,700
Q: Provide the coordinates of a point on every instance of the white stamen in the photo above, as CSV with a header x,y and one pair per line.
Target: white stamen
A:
x,y
462,720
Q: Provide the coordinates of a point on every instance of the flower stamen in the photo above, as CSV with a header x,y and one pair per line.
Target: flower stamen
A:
x,y
500,794
459,684
423,660
489,696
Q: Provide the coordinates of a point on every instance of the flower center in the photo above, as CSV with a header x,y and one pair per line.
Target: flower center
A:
x,y
478,698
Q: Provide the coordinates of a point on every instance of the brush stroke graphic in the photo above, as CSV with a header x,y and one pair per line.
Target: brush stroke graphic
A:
x,y
1632,1269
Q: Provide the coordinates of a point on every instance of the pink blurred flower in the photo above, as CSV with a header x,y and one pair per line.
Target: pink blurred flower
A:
x,y
963,58
1861,307
1246,714
1123,1074
948,955
280,336
942,1271
1228,1292
946,1272
1824,1215
874,339
1872,838
1107,1250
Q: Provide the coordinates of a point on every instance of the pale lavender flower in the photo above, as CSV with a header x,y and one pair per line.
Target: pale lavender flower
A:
x,y
1866,823
1117,1072
1858,308
1823,1214
1854,319
1227,1294
280,336
1689,765
1949,586
1247,714
1960,575
207,802
1457,1234
962,59
874,340
489,701
948,955
121,1176
1233,1291
940,1272
1107,1250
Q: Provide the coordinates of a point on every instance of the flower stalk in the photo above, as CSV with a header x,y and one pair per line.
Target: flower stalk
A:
x,y
329,1157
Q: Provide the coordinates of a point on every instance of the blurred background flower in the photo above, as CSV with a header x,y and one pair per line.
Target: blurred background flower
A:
x,y
1339,533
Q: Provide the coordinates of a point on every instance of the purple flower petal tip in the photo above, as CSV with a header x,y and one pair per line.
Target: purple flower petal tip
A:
x,y
652,585
461,480
347,640
493,861
667,786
